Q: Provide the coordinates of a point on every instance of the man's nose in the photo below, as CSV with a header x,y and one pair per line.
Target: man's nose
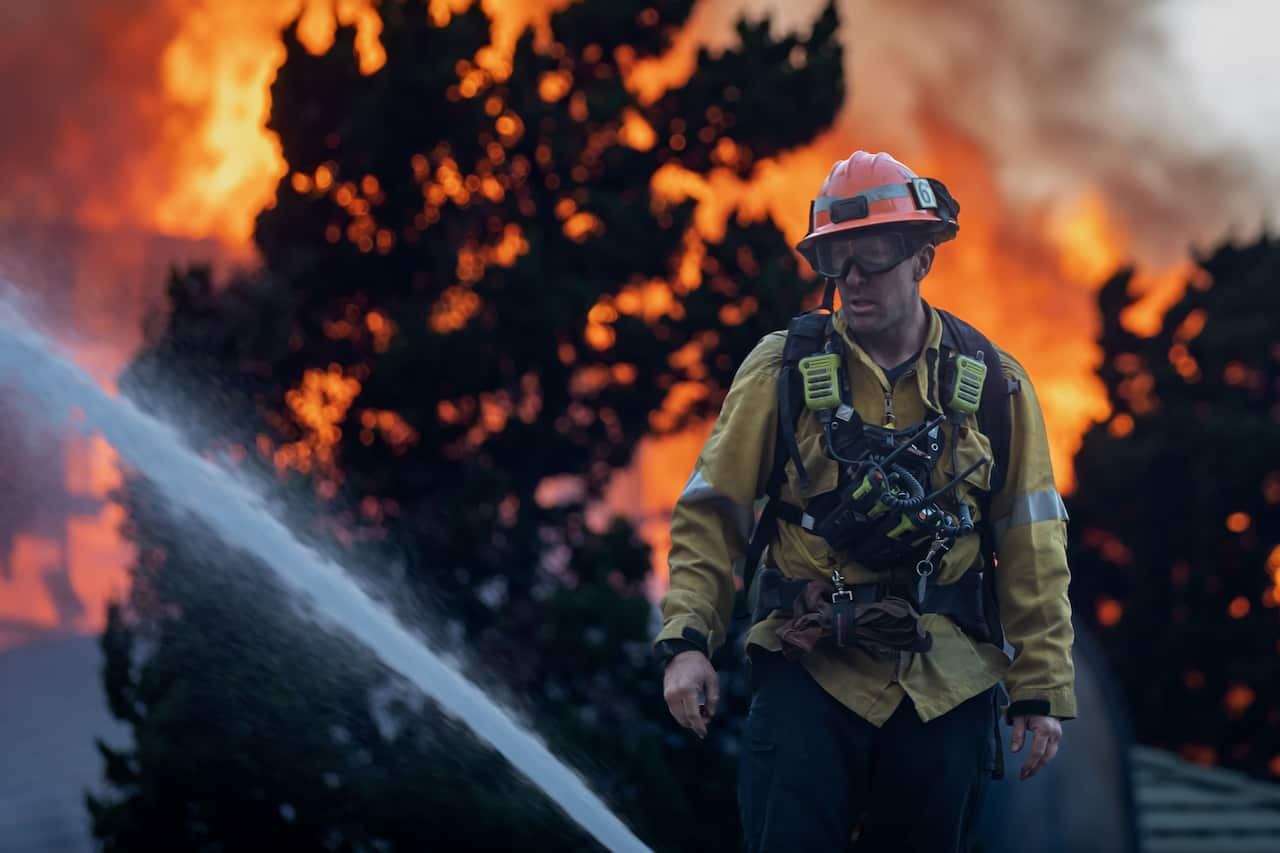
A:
x,y
855,277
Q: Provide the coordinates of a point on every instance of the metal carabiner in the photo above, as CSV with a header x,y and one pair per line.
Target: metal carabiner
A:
x,y
841,592
926,567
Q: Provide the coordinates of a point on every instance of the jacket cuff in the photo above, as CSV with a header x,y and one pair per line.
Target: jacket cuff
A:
x,y
665,650
1059,702
687,629
1038,707
690,640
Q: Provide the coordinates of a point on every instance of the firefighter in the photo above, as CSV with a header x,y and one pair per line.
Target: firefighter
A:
x,y
912,533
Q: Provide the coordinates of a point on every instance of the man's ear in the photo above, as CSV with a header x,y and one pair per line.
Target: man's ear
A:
x,y
923,261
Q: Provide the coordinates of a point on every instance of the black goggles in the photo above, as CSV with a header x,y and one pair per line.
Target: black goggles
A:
x,y
870,253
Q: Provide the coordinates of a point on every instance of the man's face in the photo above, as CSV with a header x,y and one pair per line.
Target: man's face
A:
x,y
876,303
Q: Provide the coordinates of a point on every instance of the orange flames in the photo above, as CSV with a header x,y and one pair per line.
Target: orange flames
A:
x,y
88,549
210,166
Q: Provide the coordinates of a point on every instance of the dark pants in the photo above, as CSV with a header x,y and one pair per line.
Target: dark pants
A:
x,y
812,770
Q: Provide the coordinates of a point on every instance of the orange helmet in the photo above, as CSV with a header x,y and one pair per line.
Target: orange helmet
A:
x,y
874,189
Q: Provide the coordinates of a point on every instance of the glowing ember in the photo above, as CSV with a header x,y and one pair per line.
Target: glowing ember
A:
x,y
1238,522
1238,699
318,405
1110,612
394,430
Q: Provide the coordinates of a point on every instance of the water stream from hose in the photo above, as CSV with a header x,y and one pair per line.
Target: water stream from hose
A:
x,y
240,516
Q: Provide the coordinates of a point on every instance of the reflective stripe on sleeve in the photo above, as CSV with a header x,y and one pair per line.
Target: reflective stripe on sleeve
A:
x,y
1046,505
700,490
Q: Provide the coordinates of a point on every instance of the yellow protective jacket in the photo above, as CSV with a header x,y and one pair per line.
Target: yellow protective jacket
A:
x,y
712,521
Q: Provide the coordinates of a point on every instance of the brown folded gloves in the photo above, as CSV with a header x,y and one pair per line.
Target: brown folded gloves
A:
x,y
880,629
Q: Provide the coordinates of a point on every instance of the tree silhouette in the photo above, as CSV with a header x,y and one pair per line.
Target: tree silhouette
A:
x,y
1176,515
472,306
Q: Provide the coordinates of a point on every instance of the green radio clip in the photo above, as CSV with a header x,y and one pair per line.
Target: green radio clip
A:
x,y
966,391
821,375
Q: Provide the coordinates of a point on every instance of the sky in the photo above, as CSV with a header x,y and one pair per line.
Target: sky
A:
x,y
1228,50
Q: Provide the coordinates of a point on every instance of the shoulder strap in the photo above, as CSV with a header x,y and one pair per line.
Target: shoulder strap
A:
x,y
996,423
806,335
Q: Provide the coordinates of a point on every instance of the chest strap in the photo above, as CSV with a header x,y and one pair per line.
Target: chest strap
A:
x,y
792,514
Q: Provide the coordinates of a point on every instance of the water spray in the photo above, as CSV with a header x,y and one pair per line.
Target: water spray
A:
x,y
239,514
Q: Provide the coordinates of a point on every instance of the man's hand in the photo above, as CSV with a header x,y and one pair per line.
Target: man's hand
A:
x,y
689,680
1045,731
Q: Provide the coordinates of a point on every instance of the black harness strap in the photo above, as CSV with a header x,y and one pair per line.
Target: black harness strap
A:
x,y
996,422
806,335
792,514
787,426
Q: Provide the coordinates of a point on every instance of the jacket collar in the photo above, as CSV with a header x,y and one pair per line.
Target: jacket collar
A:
x,y
926,366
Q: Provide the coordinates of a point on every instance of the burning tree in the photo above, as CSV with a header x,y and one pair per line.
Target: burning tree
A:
x,y
475,299
1176,516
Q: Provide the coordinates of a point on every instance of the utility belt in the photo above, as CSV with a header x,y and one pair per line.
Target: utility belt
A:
x,y
963,602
